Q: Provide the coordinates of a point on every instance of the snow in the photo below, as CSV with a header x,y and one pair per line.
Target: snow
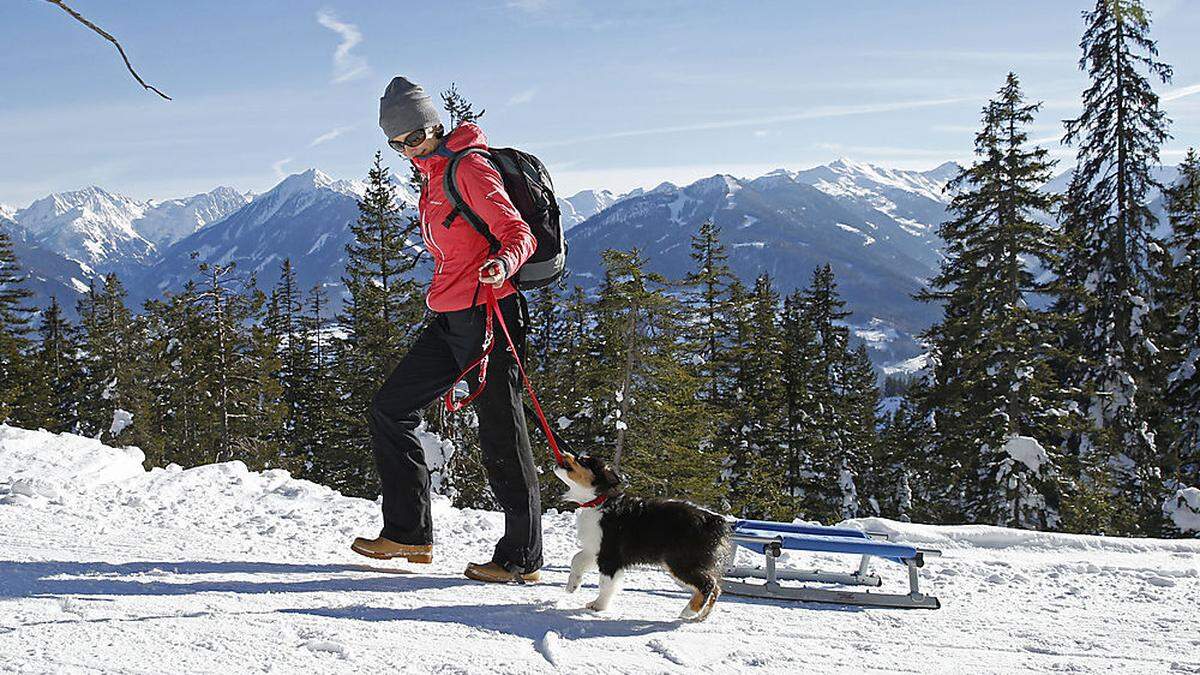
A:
x,y
106,566
1183,508
318,243
867,239
1027,451
908,366
120,420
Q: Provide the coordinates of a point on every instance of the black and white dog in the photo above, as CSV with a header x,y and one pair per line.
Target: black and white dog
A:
x,y
617,531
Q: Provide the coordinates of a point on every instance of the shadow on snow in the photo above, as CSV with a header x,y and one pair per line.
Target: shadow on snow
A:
x,y
530,620
53,578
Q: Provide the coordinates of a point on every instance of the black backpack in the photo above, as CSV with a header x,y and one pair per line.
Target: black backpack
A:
x,y
528,186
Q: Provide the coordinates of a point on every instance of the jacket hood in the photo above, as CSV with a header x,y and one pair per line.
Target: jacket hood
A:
x,y
465,135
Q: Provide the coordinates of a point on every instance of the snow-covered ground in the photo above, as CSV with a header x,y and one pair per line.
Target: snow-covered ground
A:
x,y
107,567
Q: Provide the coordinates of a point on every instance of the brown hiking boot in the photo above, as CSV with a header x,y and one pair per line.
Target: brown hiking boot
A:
x,y
494,573
386,549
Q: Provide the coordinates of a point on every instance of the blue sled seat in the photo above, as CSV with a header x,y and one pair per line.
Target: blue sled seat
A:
x,y
898,553
797,528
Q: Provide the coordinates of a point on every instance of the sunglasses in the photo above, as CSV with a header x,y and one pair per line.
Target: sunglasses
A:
x,y
412,140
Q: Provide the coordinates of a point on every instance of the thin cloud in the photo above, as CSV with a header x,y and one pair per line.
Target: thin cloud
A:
x,y
1045,139
329,136
973,55
1181,92
522,96
277,167
818,112
1166,97
346,66
531,6
887,151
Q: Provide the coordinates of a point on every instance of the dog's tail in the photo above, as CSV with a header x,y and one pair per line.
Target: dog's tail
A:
x,y
717,532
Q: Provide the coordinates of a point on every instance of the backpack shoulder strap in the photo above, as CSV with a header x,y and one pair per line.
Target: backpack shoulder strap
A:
x,y
460,205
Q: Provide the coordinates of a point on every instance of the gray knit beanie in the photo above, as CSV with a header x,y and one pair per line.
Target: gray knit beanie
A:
x,y
405,107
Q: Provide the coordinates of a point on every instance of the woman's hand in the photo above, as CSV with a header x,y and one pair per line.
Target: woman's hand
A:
x,y
493,273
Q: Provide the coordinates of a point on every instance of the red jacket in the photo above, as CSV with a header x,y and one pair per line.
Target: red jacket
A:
x,y
458,251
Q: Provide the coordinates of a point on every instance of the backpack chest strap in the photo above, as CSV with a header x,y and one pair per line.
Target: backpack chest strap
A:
x,y
450,187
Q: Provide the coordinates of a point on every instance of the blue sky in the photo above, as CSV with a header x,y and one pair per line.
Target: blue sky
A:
x,y
610,94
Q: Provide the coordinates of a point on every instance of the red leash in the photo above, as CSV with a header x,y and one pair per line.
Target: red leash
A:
x,y
492,308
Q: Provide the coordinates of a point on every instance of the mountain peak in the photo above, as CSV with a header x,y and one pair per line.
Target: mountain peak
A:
x,y
943,172
850,165
721,182
314,177
306,181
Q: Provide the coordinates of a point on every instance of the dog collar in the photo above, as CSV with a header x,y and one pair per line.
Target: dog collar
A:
x,y
595,502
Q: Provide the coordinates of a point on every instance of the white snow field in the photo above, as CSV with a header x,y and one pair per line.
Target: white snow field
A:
x,y
106,567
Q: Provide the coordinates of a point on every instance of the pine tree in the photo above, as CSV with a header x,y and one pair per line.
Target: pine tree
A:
x,y
111,343
55,375
639,396
1180,300
459,108
756,469
991,379
859,403
283,328
236,369
1104,278
709,285
895,484
824,450
160,403
708,294
799,382
15,317
316,398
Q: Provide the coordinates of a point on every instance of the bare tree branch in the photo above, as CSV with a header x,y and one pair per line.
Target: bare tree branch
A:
x,y
106,36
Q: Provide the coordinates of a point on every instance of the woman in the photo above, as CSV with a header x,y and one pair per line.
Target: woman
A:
x,y
463,263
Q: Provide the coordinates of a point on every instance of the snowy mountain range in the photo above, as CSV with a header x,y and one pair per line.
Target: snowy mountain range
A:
x,y
875,225
305,217
107,231
579,207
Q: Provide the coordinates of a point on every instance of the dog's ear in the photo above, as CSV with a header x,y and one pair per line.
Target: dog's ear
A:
x,y
609,481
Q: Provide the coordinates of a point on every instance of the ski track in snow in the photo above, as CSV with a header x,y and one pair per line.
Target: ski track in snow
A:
x,y
105,567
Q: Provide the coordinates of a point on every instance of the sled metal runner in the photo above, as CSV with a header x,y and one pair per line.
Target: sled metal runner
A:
x,y
771,539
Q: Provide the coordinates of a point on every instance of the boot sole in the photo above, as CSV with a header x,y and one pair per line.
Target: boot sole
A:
x,y
533,577
421,558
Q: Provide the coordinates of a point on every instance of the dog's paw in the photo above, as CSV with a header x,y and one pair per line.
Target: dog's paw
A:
x,y
688,614
597,606
573,583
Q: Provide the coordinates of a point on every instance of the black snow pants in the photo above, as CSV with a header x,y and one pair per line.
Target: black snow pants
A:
x,y
447,344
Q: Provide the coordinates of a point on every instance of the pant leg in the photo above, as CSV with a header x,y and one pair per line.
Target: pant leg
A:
x,y
424,374
504,442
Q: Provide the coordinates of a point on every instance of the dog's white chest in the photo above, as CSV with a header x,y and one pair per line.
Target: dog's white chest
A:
x,y
587,525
